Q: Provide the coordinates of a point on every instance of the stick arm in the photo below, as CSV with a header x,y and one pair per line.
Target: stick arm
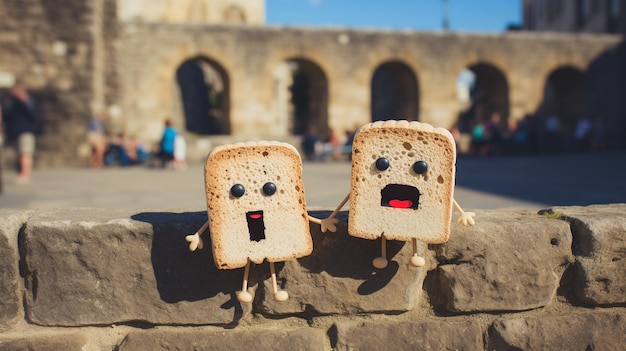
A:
x,y
466,218
330,222
194,240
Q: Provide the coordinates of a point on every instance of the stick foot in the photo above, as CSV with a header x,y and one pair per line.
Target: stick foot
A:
x,y
380,262
281,296
417,261
244,296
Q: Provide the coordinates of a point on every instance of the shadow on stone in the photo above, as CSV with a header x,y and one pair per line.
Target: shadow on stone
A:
x,y
345,256
182,275
379,280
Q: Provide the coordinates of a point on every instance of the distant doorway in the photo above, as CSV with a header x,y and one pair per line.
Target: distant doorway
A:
x,y
565,98
482,92
308,97
394,92
204,92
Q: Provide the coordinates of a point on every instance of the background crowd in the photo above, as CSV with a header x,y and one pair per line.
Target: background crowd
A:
x,y
120,150
530,135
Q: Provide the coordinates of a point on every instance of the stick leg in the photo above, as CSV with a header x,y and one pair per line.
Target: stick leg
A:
x,y
244,296
381,262
278,295
416,261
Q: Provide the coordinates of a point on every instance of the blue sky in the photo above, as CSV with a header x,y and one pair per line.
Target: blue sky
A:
x,y
489,16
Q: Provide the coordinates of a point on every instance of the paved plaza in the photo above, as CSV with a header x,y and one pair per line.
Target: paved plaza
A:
x,y
482,182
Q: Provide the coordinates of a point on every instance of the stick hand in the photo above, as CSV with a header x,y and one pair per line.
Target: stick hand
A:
x,y
195,242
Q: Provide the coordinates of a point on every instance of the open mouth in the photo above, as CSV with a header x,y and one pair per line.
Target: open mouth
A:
x,y
400,196
256,227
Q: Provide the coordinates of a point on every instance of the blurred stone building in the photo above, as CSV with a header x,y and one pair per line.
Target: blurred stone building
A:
x,y
604,82
221,75
193,11
591,16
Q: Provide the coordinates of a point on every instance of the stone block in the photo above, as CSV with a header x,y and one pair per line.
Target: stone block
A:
x,y
203,338
48,342
338,277
599,234
511,260
576,331
10,292
453,333
98,267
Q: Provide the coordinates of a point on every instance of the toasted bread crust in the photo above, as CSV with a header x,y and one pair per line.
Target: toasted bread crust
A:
x,y
402,143
284,219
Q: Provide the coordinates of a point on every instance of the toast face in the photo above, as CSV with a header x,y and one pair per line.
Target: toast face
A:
x,y
402,182
256,204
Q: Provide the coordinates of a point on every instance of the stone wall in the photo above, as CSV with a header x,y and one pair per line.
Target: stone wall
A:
x,y
78,57
348,59
48,46
92,279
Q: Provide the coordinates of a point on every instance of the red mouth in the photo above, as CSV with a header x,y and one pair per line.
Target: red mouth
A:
x,y
401,203
256,227
400,196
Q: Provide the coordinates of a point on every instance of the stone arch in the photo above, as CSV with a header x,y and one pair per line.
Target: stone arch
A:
x,y
564,96
204,88
488,95
308,96
394,92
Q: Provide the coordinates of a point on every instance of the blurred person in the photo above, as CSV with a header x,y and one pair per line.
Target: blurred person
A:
x,y
552,128
116,152
331,147
598,142
166,152
479,145
96,136
180,153
346,148
517,137
495,134
582,134
310,144
137,153
21,117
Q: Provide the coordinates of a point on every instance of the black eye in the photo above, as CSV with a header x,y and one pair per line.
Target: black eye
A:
x,y
269,188
237,190
420,167
382,163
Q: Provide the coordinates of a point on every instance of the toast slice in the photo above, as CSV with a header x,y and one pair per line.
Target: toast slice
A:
x,y
256,204
402,182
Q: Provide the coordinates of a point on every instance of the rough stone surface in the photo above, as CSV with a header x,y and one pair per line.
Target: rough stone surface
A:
x,y
581,331
56,342
338,277
210,339
438,334
599,233
125,280
10,297
511,260
94,267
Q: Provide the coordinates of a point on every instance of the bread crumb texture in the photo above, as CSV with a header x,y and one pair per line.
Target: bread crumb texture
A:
x,y
281,232
403,144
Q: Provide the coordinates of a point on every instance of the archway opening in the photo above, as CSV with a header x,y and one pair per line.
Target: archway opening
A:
x,y
483,98
309,98
204,92
394,92
565,98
